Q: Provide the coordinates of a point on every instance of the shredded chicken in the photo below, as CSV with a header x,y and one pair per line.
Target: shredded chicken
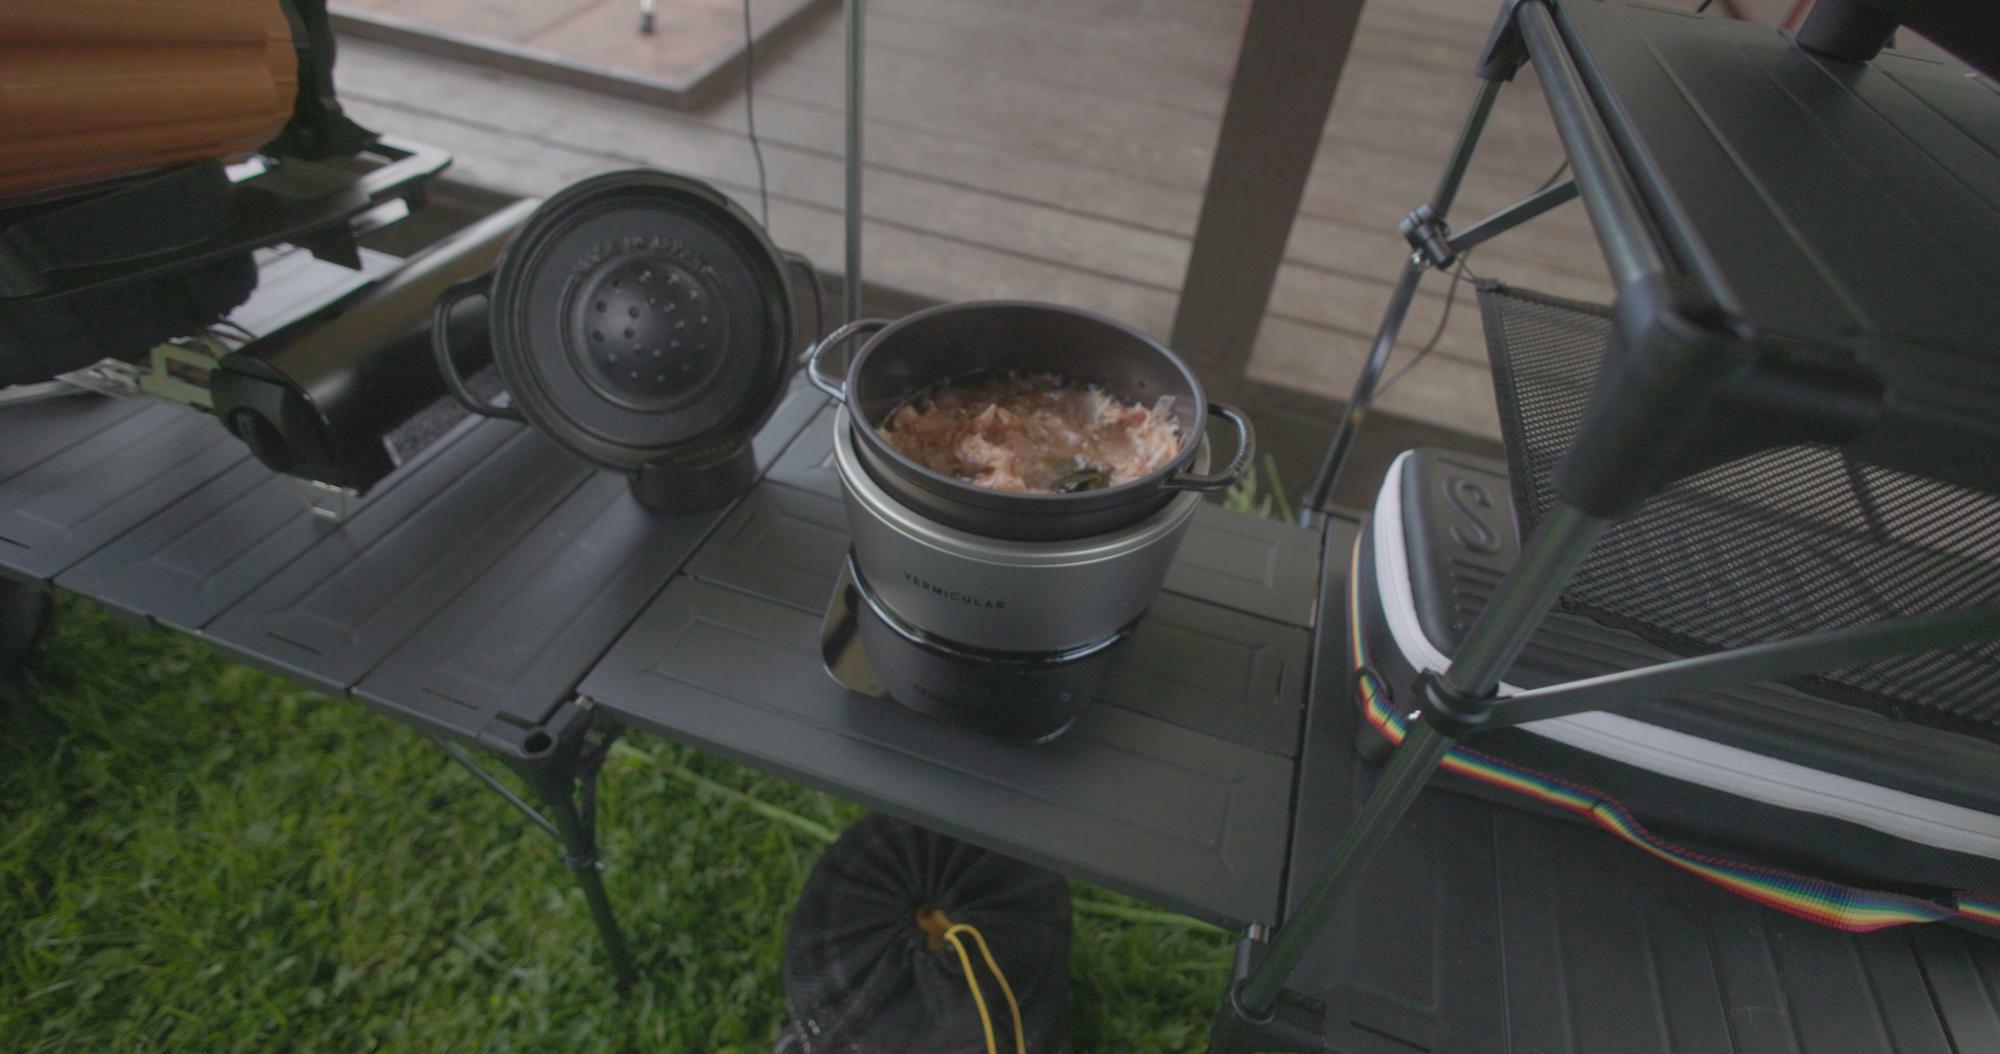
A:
x,y
1033,434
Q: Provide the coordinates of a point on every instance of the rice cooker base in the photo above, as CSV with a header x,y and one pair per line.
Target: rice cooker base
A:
x,y
998,594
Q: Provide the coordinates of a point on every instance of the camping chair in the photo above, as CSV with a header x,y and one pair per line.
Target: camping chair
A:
x,y
1749,519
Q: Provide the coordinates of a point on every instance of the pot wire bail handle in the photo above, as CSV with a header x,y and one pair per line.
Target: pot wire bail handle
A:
x,y
478,285
1246,449
838,337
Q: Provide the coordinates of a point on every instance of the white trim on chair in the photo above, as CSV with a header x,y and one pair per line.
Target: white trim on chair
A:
x,y
1691,759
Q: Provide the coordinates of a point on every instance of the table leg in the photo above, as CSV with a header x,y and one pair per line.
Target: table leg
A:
x,y
24,610
570,795
560,761
1290,1027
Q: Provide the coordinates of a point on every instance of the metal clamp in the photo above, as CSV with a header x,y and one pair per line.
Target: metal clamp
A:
x,y
1426,232
838,336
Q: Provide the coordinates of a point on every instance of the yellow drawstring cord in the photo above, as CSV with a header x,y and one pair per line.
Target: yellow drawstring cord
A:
x,y
936,925
985,1019
1013,1006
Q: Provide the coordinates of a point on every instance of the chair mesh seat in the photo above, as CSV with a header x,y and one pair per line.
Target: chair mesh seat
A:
x,y
1789,541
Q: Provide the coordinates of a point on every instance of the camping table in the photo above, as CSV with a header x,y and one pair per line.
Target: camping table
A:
x,y
471,593
495,594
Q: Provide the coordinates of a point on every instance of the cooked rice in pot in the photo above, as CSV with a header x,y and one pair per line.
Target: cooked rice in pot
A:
x,y
1032,434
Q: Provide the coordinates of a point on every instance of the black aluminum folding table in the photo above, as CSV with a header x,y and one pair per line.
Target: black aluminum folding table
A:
x,y
472,593
495,595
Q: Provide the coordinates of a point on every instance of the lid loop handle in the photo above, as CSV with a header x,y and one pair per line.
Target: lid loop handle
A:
x,y
479,285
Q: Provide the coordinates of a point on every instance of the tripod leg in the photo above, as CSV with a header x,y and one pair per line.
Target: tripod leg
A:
x,y
1399,306
1409,770
1458,702
1356,411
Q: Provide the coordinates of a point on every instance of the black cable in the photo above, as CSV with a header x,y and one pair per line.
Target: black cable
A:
x,y
750,112
1703,7
1450,298
1553,176
1458,274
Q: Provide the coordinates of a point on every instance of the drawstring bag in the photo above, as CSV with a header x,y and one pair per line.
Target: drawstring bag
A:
x,y
908,942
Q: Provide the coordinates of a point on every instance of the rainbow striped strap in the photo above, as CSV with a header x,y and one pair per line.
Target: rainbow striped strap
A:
x,y
1842,907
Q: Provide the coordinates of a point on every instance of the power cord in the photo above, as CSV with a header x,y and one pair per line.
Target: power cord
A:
x,y
1458,274
750,113
1553,176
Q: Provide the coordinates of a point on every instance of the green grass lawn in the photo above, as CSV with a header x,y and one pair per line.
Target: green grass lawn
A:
x,y
197,856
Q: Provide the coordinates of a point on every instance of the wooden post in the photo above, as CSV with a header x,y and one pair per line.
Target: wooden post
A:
x,y
1287,67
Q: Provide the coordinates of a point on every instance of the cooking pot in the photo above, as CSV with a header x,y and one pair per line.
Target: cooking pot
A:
x,y
952,341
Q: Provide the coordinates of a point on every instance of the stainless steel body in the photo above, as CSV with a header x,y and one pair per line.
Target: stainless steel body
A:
x,y
999,594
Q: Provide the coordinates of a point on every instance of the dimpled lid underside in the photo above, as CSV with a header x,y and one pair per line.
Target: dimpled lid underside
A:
x,y
651,338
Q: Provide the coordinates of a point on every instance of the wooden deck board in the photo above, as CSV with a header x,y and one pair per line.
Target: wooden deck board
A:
x,y
1057,150
693,39
1391,109
1349,303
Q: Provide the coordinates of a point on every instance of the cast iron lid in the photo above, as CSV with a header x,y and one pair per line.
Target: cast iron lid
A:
x,y
642,317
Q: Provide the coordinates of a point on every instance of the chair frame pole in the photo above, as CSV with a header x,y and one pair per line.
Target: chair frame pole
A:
x,y
1502,629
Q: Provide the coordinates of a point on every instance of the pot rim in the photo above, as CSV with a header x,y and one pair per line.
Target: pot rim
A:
x,y
1141,489
1001,552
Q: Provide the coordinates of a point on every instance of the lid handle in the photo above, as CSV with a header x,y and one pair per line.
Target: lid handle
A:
x,y
800,263
479,285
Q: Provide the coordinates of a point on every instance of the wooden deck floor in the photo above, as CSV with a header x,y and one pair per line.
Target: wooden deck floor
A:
x,y
1058,150
692,53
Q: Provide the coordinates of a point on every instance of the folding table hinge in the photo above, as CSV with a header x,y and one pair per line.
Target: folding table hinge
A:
x,y
1426,232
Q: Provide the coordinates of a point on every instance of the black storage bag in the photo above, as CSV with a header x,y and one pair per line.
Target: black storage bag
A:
x,y
859,978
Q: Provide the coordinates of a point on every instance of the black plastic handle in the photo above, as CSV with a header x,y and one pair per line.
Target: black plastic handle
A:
x,y
1246,449
480,285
